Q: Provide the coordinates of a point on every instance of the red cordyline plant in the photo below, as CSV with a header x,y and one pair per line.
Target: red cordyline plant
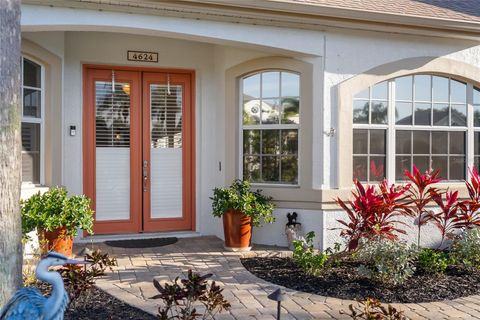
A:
x,y
446,218
373,213
422,194
469,216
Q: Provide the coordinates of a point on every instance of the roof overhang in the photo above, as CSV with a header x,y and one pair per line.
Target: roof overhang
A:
x,y
282,13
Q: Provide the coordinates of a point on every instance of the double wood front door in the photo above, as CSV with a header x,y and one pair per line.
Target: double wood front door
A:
x,y
138,149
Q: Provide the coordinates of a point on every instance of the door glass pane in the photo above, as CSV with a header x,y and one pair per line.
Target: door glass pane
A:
x,y
31,152
166,151
112,151
166,116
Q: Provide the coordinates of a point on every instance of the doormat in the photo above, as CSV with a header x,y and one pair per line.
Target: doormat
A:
x,y
142,243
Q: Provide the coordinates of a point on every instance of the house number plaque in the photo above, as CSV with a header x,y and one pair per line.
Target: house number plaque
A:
x,y
142,56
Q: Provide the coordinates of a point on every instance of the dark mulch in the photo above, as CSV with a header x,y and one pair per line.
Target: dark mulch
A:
x,y
142,243
345,283
97,304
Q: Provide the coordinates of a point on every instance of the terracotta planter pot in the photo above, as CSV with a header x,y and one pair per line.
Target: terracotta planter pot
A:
x,y
56,240
237,228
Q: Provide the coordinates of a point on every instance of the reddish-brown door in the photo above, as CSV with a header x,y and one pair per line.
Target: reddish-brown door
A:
x,y
139,149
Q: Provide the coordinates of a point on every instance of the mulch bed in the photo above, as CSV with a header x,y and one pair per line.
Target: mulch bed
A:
x,y
345,283
97,304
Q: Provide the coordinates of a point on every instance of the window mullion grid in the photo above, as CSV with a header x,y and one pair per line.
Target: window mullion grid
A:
x,y
448,156
390,132
368,156
23,87
470,160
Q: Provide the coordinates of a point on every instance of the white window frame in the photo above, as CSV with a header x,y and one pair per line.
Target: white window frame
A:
x,y
391,127
260,126
40,120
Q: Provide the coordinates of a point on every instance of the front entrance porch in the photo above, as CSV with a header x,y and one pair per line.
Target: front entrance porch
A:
x,y
131,282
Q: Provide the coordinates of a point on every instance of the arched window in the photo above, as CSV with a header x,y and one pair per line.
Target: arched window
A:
x,y
424,120
270,124
32,121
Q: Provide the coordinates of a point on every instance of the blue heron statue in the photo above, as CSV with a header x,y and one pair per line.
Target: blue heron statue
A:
x,y
29,303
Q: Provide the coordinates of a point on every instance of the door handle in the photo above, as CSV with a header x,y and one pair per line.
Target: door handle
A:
x,y
145,175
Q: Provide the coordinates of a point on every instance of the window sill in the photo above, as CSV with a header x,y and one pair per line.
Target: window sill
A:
x,y
273,185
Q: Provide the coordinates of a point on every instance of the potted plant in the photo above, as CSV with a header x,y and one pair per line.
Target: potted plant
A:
x,y
241,209
56,217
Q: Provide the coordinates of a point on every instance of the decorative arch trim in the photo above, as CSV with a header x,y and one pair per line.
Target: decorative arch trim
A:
x,y
52,65
303,192
347,89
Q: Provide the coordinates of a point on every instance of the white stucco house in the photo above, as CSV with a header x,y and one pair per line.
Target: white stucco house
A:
x,y
146,106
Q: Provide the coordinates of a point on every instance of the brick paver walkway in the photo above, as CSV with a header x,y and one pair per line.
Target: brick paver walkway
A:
x,y
132,282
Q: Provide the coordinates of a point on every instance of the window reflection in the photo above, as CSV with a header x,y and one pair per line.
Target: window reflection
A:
x,y
271,118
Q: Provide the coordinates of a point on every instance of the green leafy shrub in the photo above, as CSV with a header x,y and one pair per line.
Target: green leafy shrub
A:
x,y
431,261
54,209
386,260
466,249
239,197
310,260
